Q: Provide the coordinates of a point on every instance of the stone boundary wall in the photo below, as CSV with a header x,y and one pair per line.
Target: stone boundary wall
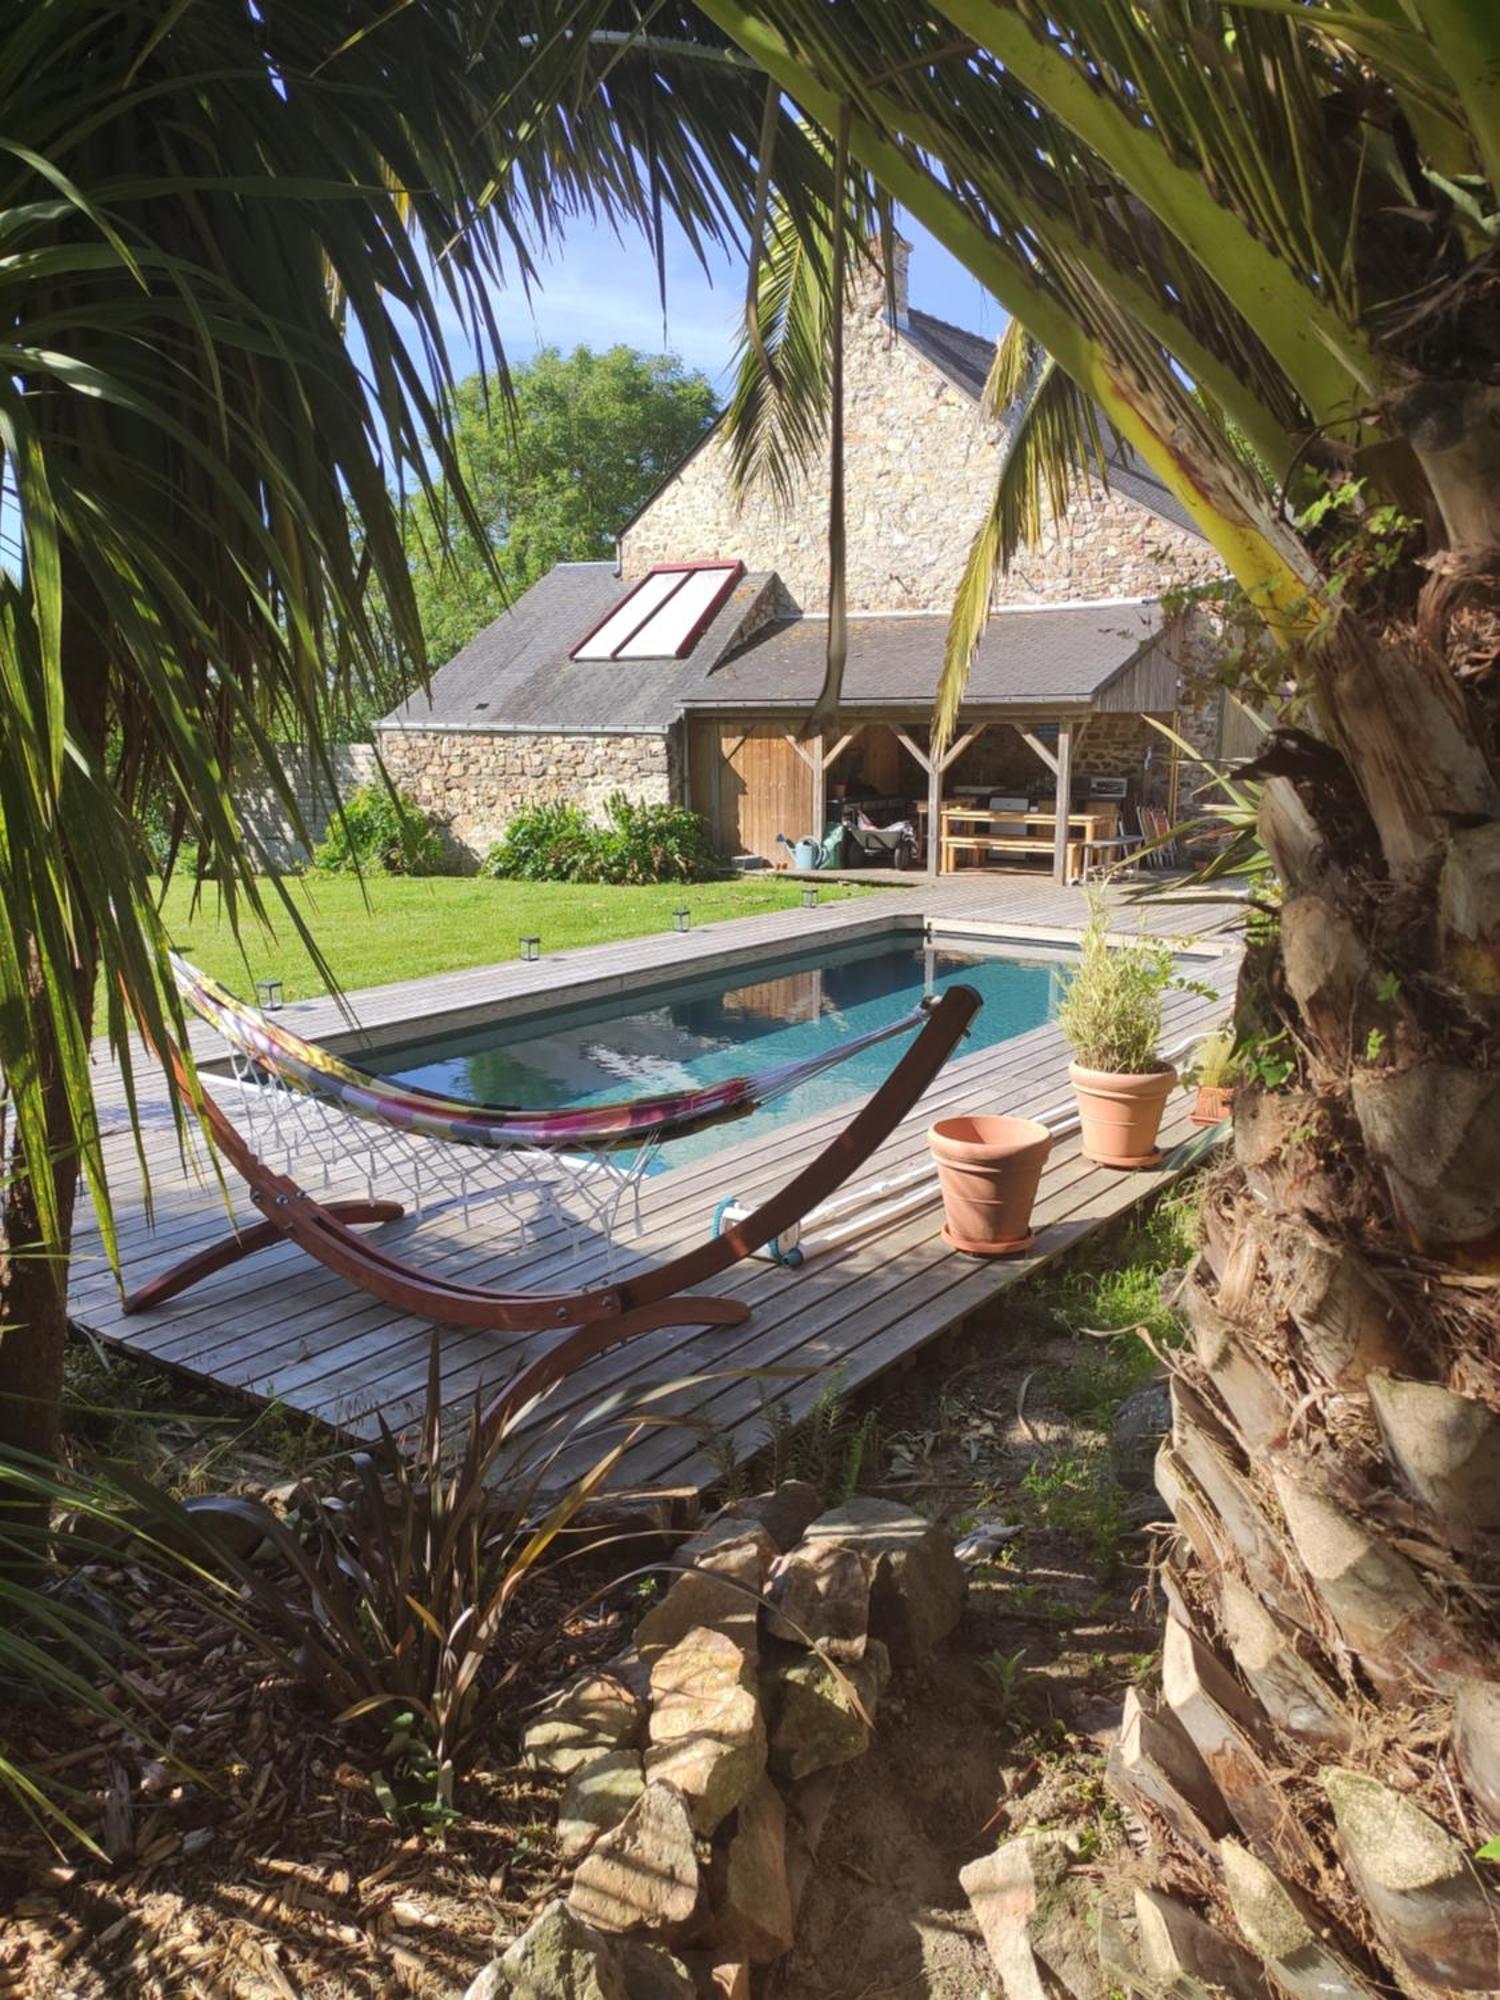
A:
x,y
262,811
473,780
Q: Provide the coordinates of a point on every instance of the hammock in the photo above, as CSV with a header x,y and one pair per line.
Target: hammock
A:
x,y
303,1065
581,1323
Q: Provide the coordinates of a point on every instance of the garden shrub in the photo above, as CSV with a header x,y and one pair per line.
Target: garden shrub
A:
x,y
383,833
550,843
638,843
653,843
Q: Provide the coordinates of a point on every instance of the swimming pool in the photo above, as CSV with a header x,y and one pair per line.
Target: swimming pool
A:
x,y
689,1032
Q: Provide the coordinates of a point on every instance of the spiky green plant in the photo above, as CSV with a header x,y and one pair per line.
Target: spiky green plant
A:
x,y
1111,1009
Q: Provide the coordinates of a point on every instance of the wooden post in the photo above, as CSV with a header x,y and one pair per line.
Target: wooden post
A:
x,y
934,801
1064,800
812,756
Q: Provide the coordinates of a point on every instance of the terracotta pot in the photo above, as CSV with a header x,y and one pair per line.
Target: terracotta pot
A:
x,y
1121,1115
988,1170
1212,1104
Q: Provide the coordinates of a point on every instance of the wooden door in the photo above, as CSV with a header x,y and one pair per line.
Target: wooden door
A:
x,y
749,783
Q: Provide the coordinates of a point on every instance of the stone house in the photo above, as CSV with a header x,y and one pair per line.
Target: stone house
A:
x,y
683,672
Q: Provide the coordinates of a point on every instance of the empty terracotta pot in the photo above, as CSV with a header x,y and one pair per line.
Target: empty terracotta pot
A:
x,y
1212,1104
988,1170
1121,1115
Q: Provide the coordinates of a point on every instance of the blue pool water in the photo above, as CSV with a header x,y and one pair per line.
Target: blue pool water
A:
x,y
689,1032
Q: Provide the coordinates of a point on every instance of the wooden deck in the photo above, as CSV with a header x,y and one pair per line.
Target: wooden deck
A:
x,y
280,1327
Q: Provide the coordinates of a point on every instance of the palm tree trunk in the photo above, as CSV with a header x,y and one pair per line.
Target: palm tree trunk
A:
x,y
34,1263
34,1271
1324,1755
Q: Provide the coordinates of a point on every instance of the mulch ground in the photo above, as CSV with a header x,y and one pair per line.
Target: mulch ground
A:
x,y
272,1870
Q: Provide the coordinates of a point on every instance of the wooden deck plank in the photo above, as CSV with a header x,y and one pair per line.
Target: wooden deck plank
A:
x,y
281,1326
375,1330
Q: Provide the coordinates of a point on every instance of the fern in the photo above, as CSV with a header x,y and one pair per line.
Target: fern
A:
x,y
829,1447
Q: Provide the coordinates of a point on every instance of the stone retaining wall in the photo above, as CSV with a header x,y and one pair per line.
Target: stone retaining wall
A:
x,y
472,781
265,816
699,1766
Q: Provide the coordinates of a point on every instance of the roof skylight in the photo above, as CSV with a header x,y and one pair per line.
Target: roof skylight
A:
x,y
664,615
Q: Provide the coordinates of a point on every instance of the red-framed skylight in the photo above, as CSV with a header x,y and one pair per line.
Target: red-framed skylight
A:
x,y
664,615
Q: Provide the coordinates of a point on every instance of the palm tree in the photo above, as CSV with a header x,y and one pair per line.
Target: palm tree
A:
x,y
234,240
1259,237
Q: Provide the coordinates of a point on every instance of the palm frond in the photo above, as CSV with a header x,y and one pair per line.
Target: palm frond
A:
x,y
1052,447
778,412
238,243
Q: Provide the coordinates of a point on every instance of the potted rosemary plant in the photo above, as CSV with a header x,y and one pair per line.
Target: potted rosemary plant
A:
x,y
1214,1071
1111,1015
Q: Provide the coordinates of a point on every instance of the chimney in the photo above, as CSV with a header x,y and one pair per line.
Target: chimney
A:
x,y
901,261
870,279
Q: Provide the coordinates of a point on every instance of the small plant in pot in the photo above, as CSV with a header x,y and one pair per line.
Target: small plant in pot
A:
x,y
1111,1015
989,1169
1214,1071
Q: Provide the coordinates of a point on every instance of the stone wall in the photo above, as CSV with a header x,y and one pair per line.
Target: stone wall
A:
x,y
920,468
262,812
1107,746
1117,746
473,780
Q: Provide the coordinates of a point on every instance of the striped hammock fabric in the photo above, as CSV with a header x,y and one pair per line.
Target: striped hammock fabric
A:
x,y
301,1065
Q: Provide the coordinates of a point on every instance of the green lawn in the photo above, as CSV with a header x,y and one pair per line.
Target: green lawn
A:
x,y
443,923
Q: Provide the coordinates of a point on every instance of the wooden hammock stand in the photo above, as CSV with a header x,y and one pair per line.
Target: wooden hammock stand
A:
x,y
658,1296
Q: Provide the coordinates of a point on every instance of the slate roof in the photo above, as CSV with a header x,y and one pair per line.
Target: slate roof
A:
x,y
517,673
965,359
1053,658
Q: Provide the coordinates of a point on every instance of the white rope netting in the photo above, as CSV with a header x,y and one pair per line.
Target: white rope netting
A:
x,y
592,1197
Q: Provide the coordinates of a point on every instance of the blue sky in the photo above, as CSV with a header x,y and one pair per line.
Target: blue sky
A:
x,y
598,290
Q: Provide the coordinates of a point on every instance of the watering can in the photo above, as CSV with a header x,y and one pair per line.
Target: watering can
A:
x,y
806,853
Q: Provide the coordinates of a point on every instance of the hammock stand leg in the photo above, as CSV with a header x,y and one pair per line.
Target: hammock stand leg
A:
x,y
244,1243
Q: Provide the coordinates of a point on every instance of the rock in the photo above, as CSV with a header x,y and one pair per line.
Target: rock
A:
x,y
720,1978
559,1958
630,1670
653,1973
723,1531
643,1874
813,1716
708,1737
784,1513
821,1597
751,1899
597,1713
917,1585
1145,1416
1033,1916
720,1594
597,1796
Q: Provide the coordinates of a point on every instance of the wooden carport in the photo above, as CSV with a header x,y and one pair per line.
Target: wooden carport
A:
x,y
752,776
